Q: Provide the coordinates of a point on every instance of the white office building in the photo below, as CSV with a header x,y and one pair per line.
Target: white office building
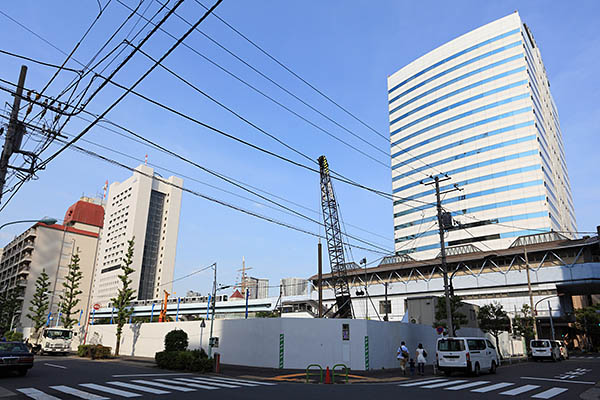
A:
x,y
294,287
147,208
479,109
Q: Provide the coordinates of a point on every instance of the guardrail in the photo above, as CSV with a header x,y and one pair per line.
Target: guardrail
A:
x,y
333,372
320,372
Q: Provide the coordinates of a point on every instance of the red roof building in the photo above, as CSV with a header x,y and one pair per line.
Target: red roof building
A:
x,y
85,212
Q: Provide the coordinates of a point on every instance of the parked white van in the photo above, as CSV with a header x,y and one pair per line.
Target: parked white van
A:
x,y
545,349
468,354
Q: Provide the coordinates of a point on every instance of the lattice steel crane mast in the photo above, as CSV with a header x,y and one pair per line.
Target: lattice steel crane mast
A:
x,y
335,244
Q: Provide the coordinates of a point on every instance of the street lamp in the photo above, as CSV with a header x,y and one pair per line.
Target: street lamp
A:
x,y
45,220
549,311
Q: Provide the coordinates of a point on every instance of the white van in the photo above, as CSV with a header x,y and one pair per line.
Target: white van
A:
x,y
468,354
544,349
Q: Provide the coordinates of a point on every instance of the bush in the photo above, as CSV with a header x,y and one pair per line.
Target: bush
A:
x,y
188,360
13,336
176,340
94,351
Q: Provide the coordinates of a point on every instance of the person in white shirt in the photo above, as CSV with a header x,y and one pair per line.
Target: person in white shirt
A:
x,y
403,357
421,359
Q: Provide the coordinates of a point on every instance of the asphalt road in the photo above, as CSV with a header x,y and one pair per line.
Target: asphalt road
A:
x,y
55,378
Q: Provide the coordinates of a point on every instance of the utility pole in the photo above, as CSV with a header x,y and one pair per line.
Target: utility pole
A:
x,y
387,308
364,261
535,331
320,278
442,229
14,133
551,322
212,320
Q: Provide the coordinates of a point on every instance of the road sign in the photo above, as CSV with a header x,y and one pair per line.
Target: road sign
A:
x,y
96,306
439,330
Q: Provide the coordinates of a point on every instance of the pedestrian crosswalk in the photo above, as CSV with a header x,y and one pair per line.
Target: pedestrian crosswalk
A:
x,y
482,386
587,357
138,387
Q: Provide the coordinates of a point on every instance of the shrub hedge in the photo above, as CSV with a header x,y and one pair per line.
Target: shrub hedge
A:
x,y
186,360
94,351
176,340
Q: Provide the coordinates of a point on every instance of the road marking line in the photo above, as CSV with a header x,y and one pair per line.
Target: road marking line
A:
x,y
78,393
36,394
55,365
519,390
164,386
227,382
138,387
110,390
492,387
549,393
198,380
557,380
467,385
241,380
134,375
194,385
423,382
437,385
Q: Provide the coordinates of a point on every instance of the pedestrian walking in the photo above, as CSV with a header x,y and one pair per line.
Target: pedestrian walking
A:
x,y
421,359
403,357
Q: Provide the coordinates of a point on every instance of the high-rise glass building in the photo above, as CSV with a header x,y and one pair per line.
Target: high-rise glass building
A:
x,y
478,109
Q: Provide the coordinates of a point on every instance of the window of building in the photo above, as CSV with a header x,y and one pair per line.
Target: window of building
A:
x,y
385,306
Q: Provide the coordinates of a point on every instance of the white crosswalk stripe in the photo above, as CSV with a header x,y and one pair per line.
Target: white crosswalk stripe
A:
x,y
211,379
164,386
138,387
36,394
78,393
442,384
157,386
549,393
247,381
496,386
519,390
110,390
423,382
194,385
199,380
467,385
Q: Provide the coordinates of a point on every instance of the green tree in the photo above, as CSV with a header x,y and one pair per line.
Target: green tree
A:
x,y
68,299
39,303
587,320
10,305
523,324
124,295
493,319
458,319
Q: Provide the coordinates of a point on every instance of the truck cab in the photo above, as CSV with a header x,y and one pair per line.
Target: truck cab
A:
x,y
56,340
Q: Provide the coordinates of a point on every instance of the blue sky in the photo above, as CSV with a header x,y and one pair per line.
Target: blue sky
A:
x,y
345,48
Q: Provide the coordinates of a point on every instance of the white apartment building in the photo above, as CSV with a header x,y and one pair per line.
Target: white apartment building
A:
x,y
146,208
479,109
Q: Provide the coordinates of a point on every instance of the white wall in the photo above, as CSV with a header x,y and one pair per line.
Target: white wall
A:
x,y
255,342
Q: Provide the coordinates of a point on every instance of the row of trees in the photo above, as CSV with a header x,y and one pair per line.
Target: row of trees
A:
x,y
69,298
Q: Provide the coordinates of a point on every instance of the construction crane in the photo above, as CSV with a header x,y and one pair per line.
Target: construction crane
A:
x,y
335,244
162,317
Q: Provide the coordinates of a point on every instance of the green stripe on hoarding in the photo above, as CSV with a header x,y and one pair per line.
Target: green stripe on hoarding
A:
x,y
281,350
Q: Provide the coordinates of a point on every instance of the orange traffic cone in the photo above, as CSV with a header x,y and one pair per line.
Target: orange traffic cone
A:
x,y
327,377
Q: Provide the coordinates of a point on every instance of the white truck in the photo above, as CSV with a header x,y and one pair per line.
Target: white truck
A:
x,y
54,341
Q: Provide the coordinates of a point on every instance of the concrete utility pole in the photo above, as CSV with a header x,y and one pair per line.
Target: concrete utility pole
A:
x,y
442,229
14,133
212,320
320,278
387,306
535,331
551,322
